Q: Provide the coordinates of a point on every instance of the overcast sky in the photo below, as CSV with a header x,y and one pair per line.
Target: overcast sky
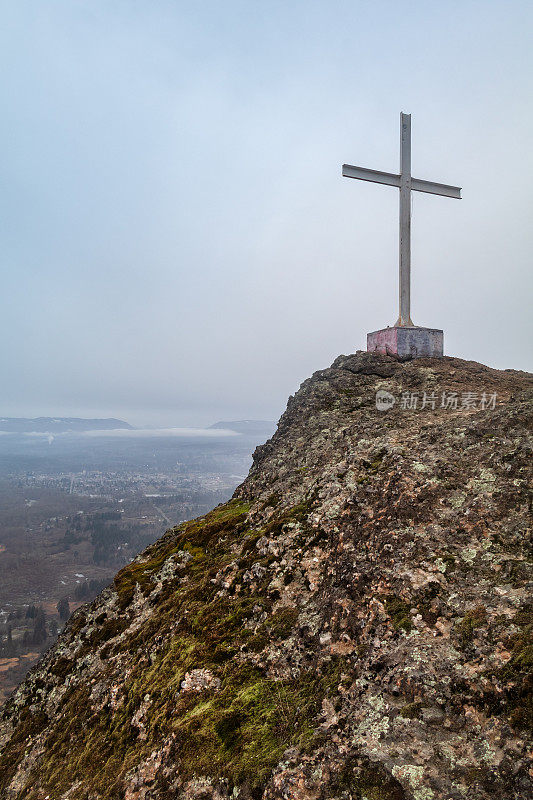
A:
x,y
177,244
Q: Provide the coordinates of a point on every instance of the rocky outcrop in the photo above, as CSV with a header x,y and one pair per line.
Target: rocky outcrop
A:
x,y
355,623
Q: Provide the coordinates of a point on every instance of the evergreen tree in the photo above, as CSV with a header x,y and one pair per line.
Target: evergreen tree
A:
x,y
39,627
63,609
9,648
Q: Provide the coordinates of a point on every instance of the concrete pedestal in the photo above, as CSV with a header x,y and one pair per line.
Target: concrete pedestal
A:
x,y
406,342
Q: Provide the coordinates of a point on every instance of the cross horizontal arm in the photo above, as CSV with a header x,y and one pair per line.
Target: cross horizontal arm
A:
x,y
390,179
436,188
370,175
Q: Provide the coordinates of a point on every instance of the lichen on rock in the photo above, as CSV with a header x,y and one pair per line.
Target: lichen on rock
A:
x,y
355,623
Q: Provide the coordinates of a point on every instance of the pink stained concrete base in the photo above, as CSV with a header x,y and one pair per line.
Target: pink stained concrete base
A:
x,y
406,342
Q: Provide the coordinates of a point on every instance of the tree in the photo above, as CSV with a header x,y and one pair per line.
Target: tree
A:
x,y
39,627
81,592
10,646
63,609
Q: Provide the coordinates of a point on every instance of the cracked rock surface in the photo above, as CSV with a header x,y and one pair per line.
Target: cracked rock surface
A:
x,y
355,623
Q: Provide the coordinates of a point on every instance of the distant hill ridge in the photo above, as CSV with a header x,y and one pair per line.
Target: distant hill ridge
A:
x,y
59,424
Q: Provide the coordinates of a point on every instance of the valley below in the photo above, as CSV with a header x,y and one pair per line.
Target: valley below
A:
x,y
75,508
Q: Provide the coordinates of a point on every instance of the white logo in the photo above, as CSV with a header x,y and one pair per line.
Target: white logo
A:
x,y
384,400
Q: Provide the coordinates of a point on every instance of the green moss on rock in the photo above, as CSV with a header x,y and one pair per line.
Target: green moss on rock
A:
x,y
399,612
238,730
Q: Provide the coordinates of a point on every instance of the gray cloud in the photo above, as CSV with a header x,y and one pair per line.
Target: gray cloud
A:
x,y
177,242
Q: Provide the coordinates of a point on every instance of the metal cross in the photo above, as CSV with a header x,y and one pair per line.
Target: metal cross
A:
x,y
406,184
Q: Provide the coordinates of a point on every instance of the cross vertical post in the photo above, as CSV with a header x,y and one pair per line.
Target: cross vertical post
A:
x,y
404,319
404,339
